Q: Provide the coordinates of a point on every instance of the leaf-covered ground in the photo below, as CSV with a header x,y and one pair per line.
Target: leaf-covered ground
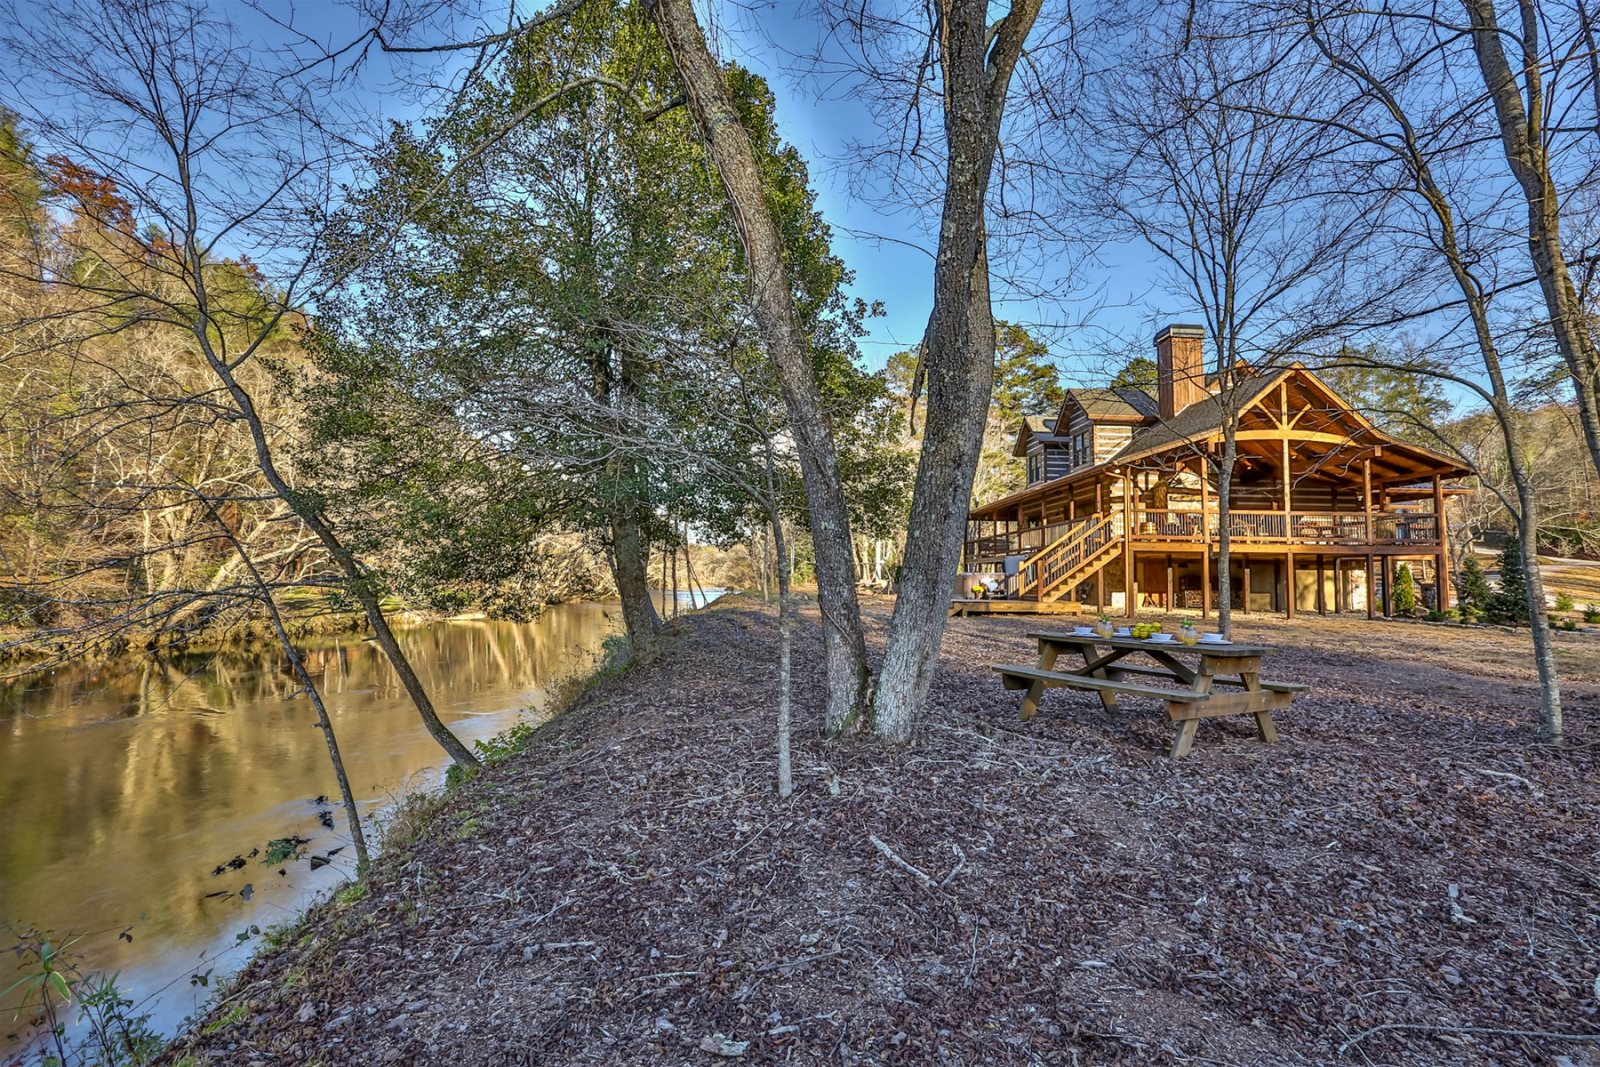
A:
x,y
1406,878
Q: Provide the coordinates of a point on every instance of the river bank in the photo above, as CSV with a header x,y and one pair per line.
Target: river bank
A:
x,y
140,795
1405,870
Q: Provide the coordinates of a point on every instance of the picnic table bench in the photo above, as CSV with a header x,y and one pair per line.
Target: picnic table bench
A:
x,y
1232,665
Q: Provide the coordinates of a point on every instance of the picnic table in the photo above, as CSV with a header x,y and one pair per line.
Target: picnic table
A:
x,y
1103,672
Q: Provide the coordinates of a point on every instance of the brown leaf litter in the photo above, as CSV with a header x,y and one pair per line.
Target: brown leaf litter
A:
x,y
1407,877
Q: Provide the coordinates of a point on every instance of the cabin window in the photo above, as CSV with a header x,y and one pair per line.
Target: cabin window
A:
x,y
1035,466
1080,449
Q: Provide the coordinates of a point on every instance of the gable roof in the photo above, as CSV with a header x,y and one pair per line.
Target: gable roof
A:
x,y
1032,426
1204,419
1135,405
1200,418
1125,405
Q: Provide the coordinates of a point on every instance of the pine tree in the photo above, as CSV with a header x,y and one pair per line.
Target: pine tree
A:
x,y
1472,588
1510,603
1405,592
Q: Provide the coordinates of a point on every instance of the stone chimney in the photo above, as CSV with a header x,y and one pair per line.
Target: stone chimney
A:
x,y
1181,367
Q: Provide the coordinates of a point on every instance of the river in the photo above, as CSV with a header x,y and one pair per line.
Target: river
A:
x,y
124,789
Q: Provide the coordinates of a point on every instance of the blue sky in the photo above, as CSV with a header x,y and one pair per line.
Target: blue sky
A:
x,y
888,253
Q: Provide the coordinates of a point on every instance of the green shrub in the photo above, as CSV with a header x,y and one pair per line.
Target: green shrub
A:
x,y
1569,625
1404,599
1591,613
1564,602
1436,616
1509,604
1472,587
502,746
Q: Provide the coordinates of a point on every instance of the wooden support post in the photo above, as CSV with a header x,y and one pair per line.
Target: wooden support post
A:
x,y
1372,587
1388,586
1288,505
1129,590
1134,500
1288,584
1172,603
1244,597
1366,506
1130,586
1442,580
1322,580
1100,590
1205,541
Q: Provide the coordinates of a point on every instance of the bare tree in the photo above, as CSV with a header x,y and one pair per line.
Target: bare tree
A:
x,y
215,153
1233,199
358,837
1411,157
1537,128
975,61
773,305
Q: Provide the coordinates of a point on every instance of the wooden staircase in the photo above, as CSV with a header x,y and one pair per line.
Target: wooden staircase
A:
x,y
1040,583
1088,545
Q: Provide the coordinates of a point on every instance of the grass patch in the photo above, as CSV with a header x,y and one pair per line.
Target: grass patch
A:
x,y
409,820
354,893
284,933
235,1014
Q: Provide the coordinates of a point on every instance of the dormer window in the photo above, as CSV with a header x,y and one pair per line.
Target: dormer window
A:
x,y
1082,455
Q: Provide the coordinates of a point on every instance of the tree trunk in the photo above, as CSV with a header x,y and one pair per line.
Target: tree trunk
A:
x,y
675,600
785,662
357,580
766,565
352,814
630,570
772,303
690,581
1522,135
1551,728
977,64
358,837
785,683
1224,469
957,403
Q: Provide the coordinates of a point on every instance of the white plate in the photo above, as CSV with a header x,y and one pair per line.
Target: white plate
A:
x,y
1158,639
1124,633
1214,641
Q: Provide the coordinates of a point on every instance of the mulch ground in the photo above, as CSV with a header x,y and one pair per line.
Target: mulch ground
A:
x,y
1407,878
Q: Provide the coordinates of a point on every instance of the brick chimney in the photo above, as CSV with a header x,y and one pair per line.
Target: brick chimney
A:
x,y
1181,367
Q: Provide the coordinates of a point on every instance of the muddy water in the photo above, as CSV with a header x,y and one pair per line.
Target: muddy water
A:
x,y
122,790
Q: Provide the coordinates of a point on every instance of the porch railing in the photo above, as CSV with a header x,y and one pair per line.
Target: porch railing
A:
x,y
991,541
1296,527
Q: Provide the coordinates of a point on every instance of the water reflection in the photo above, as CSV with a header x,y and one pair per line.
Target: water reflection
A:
x,y
124,788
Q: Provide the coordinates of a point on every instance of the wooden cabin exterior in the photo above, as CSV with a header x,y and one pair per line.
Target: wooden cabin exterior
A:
x,y
1120,512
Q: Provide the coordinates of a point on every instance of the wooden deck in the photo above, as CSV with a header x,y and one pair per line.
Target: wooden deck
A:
x,y
963,607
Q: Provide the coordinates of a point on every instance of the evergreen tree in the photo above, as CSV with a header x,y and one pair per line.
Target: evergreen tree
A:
x,y
1472,588
1405,591
1510,603
1140,372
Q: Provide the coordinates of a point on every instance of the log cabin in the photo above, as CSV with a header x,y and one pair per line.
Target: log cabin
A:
x,y
1120,511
